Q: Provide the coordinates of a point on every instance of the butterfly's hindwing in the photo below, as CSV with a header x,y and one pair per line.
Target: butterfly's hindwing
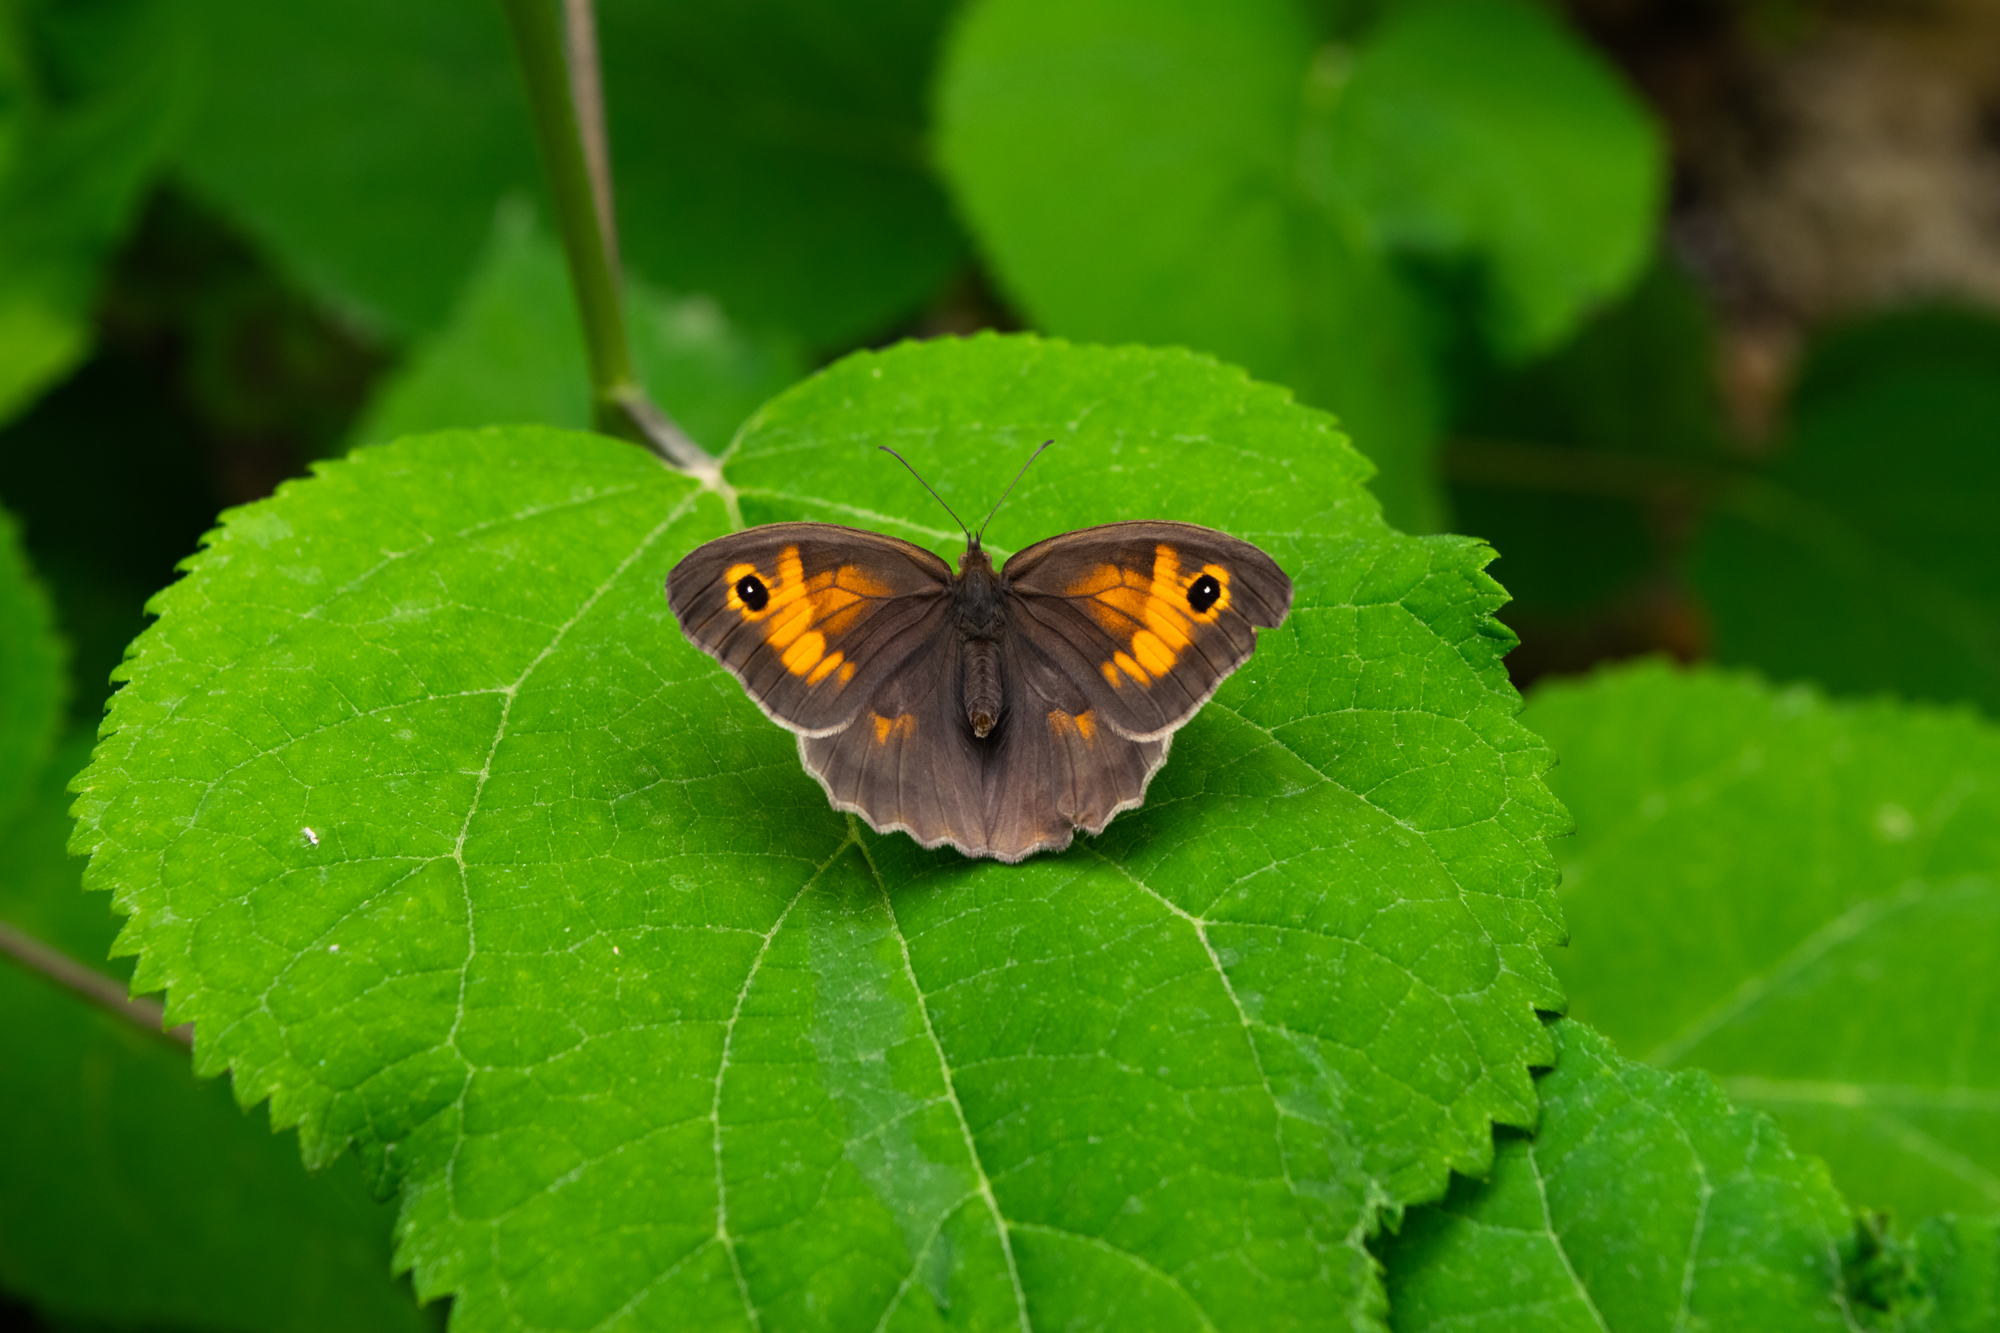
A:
x,y
908,760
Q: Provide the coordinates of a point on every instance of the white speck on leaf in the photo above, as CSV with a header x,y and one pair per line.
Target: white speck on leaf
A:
x,y
1895,823
311,837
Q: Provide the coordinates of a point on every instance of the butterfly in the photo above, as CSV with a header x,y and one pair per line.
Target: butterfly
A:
x,y
997,711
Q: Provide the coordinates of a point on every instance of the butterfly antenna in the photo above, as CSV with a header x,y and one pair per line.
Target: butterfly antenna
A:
x,y
932,489
1009,491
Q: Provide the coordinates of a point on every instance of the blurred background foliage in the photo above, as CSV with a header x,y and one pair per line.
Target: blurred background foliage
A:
x,y
1688,306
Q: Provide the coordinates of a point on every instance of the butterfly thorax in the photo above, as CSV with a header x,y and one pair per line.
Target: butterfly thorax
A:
x,y
982,622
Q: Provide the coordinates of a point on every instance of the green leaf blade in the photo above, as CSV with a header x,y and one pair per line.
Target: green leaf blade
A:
x,y
1799,897
649,1034
32,662
1837,533
1482,129
1132,171
90,99
1644,1200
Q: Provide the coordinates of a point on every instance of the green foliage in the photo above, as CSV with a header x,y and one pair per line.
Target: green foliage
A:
x,y
577,954
773,154
31,671
419,805
1133,171
135,1194
1611,413
1802,898
366,144
514,352
1643,1201
90,94
1480,130
1217,176
1863,520
1957,1266
768,155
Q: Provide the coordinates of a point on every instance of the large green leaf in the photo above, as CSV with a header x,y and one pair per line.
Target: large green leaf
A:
x,y
31,671
90,95
134,1195
1482,130
1802,898
1136,169
514,352
577,954
1643,1201
766,155
1875,519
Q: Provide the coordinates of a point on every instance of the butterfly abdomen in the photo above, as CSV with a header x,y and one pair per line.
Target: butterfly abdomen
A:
x,y
979,684
982,619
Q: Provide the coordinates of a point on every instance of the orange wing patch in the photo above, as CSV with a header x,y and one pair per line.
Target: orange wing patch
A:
x,y
1083,725
799,614
903,726
1154,612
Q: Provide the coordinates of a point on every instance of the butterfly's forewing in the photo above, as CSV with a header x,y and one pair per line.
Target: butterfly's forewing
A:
x,y
813,618
1147,618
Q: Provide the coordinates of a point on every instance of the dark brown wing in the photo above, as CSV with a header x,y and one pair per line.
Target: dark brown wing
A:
x,y
1148,618
911,763
813,618
1057,768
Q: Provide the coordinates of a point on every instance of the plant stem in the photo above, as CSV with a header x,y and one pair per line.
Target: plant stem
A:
x,y
88,983
587,93
619,402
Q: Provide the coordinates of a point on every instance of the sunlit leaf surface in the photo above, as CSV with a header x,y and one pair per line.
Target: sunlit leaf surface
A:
x,y
453,848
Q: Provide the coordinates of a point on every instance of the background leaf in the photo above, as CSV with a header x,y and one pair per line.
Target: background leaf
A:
x,y
31,671
1643,1201
1958,1263
774,154
1869,518
1133,170
136,1195
1482,130
90,96
650,1036
766,156
1580,466
1221,176
513,352
1800,897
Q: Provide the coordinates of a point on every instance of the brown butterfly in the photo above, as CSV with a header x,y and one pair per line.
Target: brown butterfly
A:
x,y
995,711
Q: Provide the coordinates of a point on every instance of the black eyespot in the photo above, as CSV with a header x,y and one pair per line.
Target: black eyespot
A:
x,y
1203,593
753,593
